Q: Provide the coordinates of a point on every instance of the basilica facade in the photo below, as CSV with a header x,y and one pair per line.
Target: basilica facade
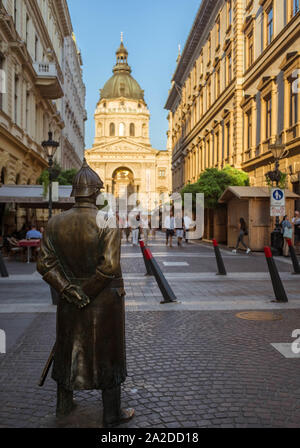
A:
x,y
122,154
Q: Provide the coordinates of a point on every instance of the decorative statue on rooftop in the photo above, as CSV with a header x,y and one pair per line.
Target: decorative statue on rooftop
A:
x,y
81,260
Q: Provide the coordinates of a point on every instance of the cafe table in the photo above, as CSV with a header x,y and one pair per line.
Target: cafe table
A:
x,y
29,244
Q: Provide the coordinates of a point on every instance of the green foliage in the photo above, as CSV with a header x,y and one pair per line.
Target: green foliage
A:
x,y
66,177
238,177
213,183
282,183
63,177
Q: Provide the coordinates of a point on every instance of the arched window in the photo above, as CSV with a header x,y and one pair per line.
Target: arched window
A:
x,y
18,178
112,129
100,129
121,129
132,130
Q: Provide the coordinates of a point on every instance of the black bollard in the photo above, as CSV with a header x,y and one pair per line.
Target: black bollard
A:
x,y
147,263
294,257
220,262
3,269
168,294
276,280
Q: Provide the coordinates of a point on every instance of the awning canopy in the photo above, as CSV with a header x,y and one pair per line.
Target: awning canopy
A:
x,y
31,196
251,192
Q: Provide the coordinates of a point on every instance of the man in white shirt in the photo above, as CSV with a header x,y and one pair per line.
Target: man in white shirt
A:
x,y
169,226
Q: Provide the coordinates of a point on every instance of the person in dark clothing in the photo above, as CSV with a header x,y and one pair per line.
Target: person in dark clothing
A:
x,y
242,232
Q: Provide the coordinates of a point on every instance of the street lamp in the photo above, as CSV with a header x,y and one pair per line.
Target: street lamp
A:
x,y
50,146
278,150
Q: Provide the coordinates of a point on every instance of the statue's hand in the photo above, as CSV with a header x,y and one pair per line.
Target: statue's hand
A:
x,y
74,294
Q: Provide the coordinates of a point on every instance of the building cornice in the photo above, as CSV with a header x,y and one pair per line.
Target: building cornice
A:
x,y
202,18
62,13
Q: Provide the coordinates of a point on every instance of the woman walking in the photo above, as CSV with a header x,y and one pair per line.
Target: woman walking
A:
x,y
242,232
287,231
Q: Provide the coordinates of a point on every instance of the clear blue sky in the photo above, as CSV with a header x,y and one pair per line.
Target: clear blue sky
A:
x,y
152,31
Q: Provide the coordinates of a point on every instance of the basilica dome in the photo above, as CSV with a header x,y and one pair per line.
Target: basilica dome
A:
x,y
122,84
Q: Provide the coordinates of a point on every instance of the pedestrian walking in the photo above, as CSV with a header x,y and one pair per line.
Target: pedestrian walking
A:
x,y
243,231
187,225
179,225
296,224
135,230
170,228
145,224
287,232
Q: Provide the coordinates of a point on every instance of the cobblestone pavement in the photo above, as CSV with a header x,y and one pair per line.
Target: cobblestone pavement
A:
x,y
192,364
200,369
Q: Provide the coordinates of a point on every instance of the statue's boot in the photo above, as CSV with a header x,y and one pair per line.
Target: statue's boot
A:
x,y
113,415
65,403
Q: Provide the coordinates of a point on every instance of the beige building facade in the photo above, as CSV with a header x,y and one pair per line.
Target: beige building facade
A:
x,y
34,66
235,91
122,153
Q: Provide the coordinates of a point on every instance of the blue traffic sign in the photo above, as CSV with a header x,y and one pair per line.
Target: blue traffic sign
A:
x,y
278,195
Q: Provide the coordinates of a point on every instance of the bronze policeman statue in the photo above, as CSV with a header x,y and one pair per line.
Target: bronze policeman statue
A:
x,y
80,259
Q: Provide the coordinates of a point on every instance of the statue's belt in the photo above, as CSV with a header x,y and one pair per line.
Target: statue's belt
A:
x,y
115,283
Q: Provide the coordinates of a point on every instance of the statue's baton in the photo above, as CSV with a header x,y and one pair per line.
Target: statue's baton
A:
x,y
47,366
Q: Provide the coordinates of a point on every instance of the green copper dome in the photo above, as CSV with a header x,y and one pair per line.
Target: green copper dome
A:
x,y
122,84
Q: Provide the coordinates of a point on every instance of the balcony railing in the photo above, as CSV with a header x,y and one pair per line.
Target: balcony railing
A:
x,y
45,69
47,80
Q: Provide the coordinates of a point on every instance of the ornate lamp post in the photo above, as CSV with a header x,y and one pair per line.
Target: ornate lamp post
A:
x,y
278,150
50,146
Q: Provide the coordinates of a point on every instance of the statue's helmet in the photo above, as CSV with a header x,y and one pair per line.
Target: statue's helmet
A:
x,y
86,182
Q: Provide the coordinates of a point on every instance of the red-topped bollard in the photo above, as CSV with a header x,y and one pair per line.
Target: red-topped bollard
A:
x,y
293,257
220,262
276,280
147,264
168,294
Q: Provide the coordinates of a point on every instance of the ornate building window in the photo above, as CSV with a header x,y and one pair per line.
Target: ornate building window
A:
x,y
201,104
208,93
269,106
112,129
36,42
268,116
218,82
227,140
249,129
228,68
121,129
217,147
218,33
270,25
268,22
201,64
132,130
27,112
209,49
27,29
161,172
249,49
293,103
16,99
291,69
229,13
293,8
